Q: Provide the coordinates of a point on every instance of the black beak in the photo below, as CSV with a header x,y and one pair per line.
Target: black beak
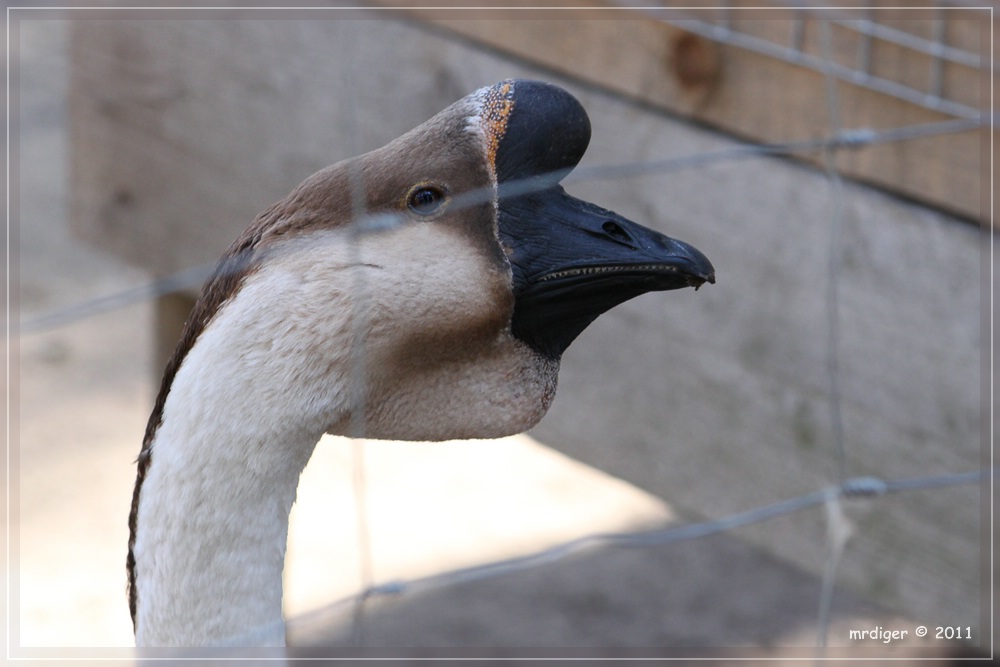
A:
x,y
573,261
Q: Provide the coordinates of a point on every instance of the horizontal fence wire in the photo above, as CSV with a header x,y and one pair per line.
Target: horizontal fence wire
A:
x,y
193,277
851,489
187,279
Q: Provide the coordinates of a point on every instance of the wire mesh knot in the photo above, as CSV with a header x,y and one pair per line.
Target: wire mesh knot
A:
x,y
867,487
388,588
854,138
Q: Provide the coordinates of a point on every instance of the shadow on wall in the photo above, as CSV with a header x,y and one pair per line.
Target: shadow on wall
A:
x,y
725,594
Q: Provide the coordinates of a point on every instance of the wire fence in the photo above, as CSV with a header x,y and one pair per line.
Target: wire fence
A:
x,y
867,34
846,487
194,277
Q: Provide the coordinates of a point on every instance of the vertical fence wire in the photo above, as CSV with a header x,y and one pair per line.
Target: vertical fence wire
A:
x,y
836,533
360,325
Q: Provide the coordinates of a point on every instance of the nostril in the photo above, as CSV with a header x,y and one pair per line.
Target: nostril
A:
x,y
615,230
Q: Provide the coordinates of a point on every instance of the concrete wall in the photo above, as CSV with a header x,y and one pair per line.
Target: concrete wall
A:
x,y
715,400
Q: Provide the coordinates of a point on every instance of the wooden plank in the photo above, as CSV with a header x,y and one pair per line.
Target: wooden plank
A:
x,y
759,97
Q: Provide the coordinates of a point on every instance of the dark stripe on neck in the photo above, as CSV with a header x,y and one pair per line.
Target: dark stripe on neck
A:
x,y
240,260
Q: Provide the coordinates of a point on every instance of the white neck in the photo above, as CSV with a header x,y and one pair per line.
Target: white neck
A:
x,y
237,430
211,547
270,374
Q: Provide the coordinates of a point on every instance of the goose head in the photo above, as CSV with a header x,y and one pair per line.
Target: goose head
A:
x,y
449,269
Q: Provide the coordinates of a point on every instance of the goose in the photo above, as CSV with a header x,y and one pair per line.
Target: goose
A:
x,y
457,264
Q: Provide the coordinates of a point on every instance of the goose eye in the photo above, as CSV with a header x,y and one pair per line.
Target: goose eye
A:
x,y
426,200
